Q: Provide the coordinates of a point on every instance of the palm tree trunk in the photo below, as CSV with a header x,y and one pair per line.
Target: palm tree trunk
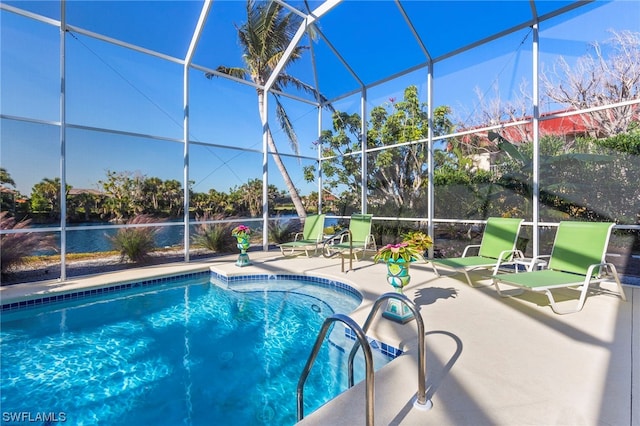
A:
x,y
295,197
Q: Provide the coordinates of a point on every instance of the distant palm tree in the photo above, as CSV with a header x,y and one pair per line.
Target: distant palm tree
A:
x,y
5,177
264,38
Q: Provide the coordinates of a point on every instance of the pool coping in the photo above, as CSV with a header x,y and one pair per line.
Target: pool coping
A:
x,y
59,293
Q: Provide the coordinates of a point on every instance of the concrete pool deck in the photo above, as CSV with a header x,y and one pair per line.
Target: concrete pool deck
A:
x,y
490,360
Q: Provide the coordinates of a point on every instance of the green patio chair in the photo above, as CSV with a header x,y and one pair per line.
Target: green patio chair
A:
x,y
309,239
497,248
577,260
356,240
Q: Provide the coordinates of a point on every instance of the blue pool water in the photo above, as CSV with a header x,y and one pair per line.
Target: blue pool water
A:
x,y
188,352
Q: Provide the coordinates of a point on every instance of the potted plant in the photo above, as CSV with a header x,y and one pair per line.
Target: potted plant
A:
x,y
419,240
398,253
241,233
398,257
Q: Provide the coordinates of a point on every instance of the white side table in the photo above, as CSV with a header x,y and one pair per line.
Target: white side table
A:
x,y
530,264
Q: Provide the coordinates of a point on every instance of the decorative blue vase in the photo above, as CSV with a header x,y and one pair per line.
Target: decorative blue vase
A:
x,y
398,276
243,257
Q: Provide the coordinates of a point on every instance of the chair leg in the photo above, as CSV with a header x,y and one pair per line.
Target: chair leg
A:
x,y
616,277
466,274
579,306
435,270
496,284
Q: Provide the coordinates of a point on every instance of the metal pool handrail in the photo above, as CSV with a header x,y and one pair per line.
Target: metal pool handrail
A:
x,y
421,398
368,362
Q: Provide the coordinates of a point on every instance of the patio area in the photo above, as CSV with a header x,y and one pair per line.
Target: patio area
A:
x,y
490,360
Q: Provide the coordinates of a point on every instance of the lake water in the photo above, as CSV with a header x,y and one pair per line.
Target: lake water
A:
x,y
97,240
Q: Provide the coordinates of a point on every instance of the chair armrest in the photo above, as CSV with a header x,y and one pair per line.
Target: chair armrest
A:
x,y
503,255
540,259
590,271
543,256
606,266
371,240
502,258
298,234
464,253
345,236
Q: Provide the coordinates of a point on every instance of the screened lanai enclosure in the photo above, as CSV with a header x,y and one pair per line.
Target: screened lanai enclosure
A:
x,y
187,118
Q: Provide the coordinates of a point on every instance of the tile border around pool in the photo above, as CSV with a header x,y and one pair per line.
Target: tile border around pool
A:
x,y
43,300
376,345
334,284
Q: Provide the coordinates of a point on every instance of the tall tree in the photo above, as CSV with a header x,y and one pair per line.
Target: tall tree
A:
x,y
396,177
264,37
7,195
121,192
5,177
610,74
45,197
172,199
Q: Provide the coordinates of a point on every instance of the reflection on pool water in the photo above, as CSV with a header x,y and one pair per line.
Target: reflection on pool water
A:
x,y
187,352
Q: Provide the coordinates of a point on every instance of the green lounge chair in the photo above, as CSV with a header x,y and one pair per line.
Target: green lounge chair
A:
x,y
357,239
577,260
309,239
497,248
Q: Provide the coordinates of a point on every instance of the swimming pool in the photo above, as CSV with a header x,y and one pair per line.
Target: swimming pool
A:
x,y
198,350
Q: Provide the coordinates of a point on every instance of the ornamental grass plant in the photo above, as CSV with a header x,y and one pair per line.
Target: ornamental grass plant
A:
x,y
15,248
135,243
282,231
213,236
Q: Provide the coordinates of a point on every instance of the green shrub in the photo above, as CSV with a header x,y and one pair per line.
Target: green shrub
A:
x,y
214,236
282,232
14,248
135,243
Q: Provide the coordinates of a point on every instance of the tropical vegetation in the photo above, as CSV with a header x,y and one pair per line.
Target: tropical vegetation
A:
x,y
264,38
397,177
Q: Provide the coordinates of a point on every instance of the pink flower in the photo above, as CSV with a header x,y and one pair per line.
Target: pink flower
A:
x,y
241,231
395,248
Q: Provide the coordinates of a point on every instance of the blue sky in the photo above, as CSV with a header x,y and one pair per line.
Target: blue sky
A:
x,y
116,88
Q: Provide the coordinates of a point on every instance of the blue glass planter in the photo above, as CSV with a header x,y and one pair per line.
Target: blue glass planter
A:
x,y
398,276
243,257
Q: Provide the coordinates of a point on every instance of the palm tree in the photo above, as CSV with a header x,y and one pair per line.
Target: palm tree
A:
x,y
45,196
7,195
264,38
5,177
